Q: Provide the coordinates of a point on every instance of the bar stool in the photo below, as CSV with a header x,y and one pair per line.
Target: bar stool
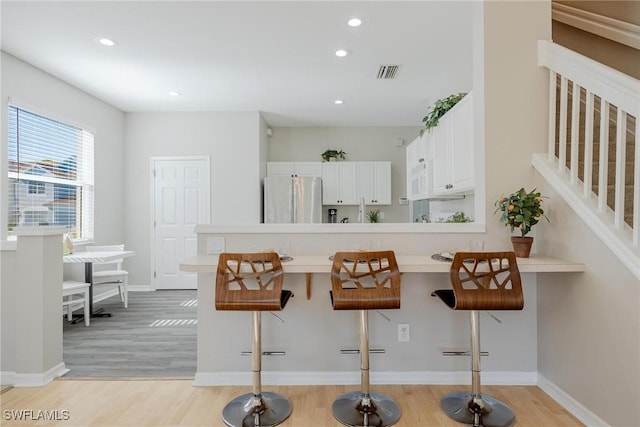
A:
x,y
253,282
481,281
365,281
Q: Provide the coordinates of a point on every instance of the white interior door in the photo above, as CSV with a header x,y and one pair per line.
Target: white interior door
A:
x,y
180,201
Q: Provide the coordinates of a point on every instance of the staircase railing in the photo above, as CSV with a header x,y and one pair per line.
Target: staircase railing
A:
x,y
593,157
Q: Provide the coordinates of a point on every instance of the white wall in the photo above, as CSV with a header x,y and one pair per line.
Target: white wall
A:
x,y
589,324
360,144
230,139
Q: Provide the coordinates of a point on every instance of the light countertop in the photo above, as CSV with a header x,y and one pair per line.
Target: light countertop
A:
x,y
406,264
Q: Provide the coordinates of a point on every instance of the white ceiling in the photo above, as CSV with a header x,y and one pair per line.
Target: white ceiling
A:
x,y
274,57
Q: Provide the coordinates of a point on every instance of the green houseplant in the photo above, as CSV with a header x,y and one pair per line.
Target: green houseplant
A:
x,y
458,217
373,216
521,210
438,109
332,155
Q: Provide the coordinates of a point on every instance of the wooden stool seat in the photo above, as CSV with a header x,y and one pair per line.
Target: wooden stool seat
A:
x,y
365,281
481,281
253,282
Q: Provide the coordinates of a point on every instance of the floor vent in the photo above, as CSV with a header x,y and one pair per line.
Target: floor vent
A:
x,y
189,303
173,322
388,71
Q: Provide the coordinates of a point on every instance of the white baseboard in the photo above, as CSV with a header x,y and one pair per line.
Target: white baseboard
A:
x,y
140,288
33,380
7,378
576,409
352,378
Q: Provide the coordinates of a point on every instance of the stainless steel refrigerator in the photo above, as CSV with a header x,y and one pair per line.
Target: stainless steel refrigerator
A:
x,y
294,199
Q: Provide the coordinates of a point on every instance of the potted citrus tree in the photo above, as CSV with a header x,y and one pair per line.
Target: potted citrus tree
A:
x,y
521,210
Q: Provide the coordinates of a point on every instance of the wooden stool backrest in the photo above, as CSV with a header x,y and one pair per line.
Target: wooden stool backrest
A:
x,y
486,281
249,282
365,280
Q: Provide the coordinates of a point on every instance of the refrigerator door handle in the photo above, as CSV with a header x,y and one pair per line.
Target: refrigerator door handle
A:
x,y
294,200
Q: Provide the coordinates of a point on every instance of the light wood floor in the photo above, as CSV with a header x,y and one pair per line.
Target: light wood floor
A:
x,y
110,403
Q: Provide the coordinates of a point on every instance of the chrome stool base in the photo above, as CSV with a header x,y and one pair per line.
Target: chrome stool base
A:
x,y
459,406
350,410
250,410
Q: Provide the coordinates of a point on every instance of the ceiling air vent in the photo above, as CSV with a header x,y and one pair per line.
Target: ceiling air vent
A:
x,y
388,71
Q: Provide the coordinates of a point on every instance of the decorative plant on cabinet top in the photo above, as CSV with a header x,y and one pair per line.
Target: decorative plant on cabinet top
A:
x,y
332,155
439,109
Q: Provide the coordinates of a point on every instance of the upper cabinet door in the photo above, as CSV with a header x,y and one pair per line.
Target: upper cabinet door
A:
x,y
462,147
294,169
419,169
453,150
308,168
339,183
280,169
374,182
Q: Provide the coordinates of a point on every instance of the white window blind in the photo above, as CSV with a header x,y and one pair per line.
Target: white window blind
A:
x,y
51,179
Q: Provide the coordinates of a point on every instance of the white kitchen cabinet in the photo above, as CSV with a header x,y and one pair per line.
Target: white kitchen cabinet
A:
x,y
453,150
419,169
294,168
339,183
374,182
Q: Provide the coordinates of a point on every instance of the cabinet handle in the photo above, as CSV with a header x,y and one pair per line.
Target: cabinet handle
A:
x,y
421,159
448,186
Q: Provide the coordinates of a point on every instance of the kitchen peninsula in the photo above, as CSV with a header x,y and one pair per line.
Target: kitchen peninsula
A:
x,y
310,337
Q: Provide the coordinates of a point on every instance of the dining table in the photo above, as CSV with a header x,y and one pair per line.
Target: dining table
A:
x,y
88,258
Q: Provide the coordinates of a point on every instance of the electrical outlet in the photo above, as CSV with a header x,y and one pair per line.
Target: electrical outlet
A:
x,y
215,245
404,333
381,215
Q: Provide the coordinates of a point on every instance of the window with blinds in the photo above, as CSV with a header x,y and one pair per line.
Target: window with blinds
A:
x,y
50,166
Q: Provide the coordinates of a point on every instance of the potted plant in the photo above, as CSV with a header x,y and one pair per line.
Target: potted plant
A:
x,y
521,210
438,109
373,216
331,155
458,217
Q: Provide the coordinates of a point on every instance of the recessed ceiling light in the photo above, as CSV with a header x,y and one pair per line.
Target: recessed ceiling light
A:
x,y
354,22
342,52
105,41
338,101
174,93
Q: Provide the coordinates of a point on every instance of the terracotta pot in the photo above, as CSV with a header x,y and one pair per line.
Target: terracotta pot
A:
x,y
522,246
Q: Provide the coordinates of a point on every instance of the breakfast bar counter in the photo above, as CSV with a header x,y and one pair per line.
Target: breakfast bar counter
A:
x,y
310,343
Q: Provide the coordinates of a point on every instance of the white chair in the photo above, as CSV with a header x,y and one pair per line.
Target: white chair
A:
x,y
75,295
110,272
